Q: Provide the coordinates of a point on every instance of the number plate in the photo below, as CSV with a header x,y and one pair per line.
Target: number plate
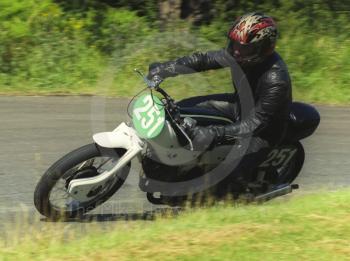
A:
x,y
279,157
148,116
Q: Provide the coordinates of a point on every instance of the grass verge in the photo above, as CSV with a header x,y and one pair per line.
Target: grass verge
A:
x,y
309,227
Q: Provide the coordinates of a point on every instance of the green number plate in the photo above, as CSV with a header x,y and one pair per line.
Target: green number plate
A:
x,y
148,116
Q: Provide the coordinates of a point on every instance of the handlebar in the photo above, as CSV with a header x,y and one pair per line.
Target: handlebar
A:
x,y
154,84
170,106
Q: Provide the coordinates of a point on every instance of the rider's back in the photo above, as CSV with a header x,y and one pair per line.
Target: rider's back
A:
x,y
272,90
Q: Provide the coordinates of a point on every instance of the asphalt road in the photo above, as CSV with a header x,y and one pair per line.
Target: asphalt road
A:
x,y
36,131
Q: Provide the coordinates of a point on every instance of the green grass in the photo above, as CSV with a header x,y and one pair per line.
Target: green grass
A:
x,y
307,227
318,76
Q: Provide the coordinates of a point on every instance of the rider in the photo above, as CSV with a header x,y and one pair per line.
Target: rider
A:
x,y
252,41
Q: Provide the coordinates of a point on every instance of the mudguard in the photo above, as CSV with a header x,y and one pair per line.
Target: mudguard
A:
x,y
122,137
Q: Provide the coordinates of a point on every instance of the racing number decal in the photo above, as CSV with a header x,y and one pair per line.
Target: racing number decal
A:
x,y
279,157
148,116
150,110
147,101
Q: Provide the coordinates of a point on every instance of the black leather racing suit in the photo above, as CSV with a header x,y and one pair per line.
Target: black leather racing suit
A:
x,y
272,96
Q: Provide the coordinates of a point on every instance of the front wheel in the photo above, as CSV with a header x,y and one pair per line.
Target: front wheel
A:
x,y
51,197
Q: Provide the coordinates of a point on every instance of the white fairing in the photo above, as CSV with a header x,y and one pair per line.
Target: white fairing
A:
x,y
166,149
122,137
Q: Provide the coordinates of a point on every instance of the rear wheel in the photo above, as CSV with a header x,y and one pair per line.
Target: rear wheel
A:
x,y
51,196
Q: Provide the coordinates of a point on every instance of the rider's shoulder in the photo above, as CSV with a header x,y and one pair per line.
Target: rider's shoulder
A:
x,y
276,70
276,63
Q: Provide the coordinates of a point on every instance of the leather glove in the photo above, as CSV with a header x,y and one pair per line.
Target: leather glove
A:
x,y
205,138
154,71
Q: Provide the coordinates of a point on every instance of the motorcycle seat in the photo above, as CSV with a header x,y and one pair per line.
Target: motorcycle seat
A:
x,y
302,122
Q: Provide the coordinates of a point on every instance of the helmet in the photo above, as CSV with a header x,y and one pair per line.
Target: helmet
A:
x,y
252,38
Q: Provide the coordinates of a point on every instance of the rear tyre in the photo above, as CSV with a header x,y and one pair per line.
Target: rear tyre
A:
x,y
76,164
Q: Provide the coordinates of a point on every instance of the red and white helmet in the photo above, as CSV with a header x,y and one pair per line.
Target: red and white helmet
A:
x,y
252,38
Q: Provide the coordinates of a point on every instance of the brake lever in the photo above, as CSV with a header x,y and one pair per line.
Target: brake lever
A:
x,y
150,84
153,84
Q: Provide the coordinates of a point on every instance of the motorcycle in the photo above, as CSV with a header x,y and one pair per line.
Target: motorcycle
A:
x,y
172,171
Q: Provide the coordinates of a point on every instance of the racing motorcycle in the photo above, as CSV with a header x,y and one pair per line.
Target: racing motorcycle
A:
x,y
172,171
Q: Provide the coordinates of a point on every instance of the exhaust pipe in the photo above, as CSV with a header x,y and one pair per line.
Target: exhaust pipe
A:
x,y
275,193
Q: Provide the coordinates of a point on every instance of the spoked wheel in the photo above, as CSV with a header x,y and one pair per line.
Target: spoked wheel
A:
x,y
51,197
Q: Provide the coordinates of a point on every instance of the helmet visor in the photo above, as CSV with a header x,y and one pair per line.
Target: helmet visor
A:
x,y
243,52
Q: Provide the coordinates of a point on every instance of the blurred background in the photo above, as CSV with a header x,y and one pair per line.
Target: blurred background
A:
x,y
92,47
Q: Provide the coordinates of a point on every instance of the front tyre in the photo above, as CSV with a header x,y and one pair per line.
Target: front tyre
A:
x,y
51,197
